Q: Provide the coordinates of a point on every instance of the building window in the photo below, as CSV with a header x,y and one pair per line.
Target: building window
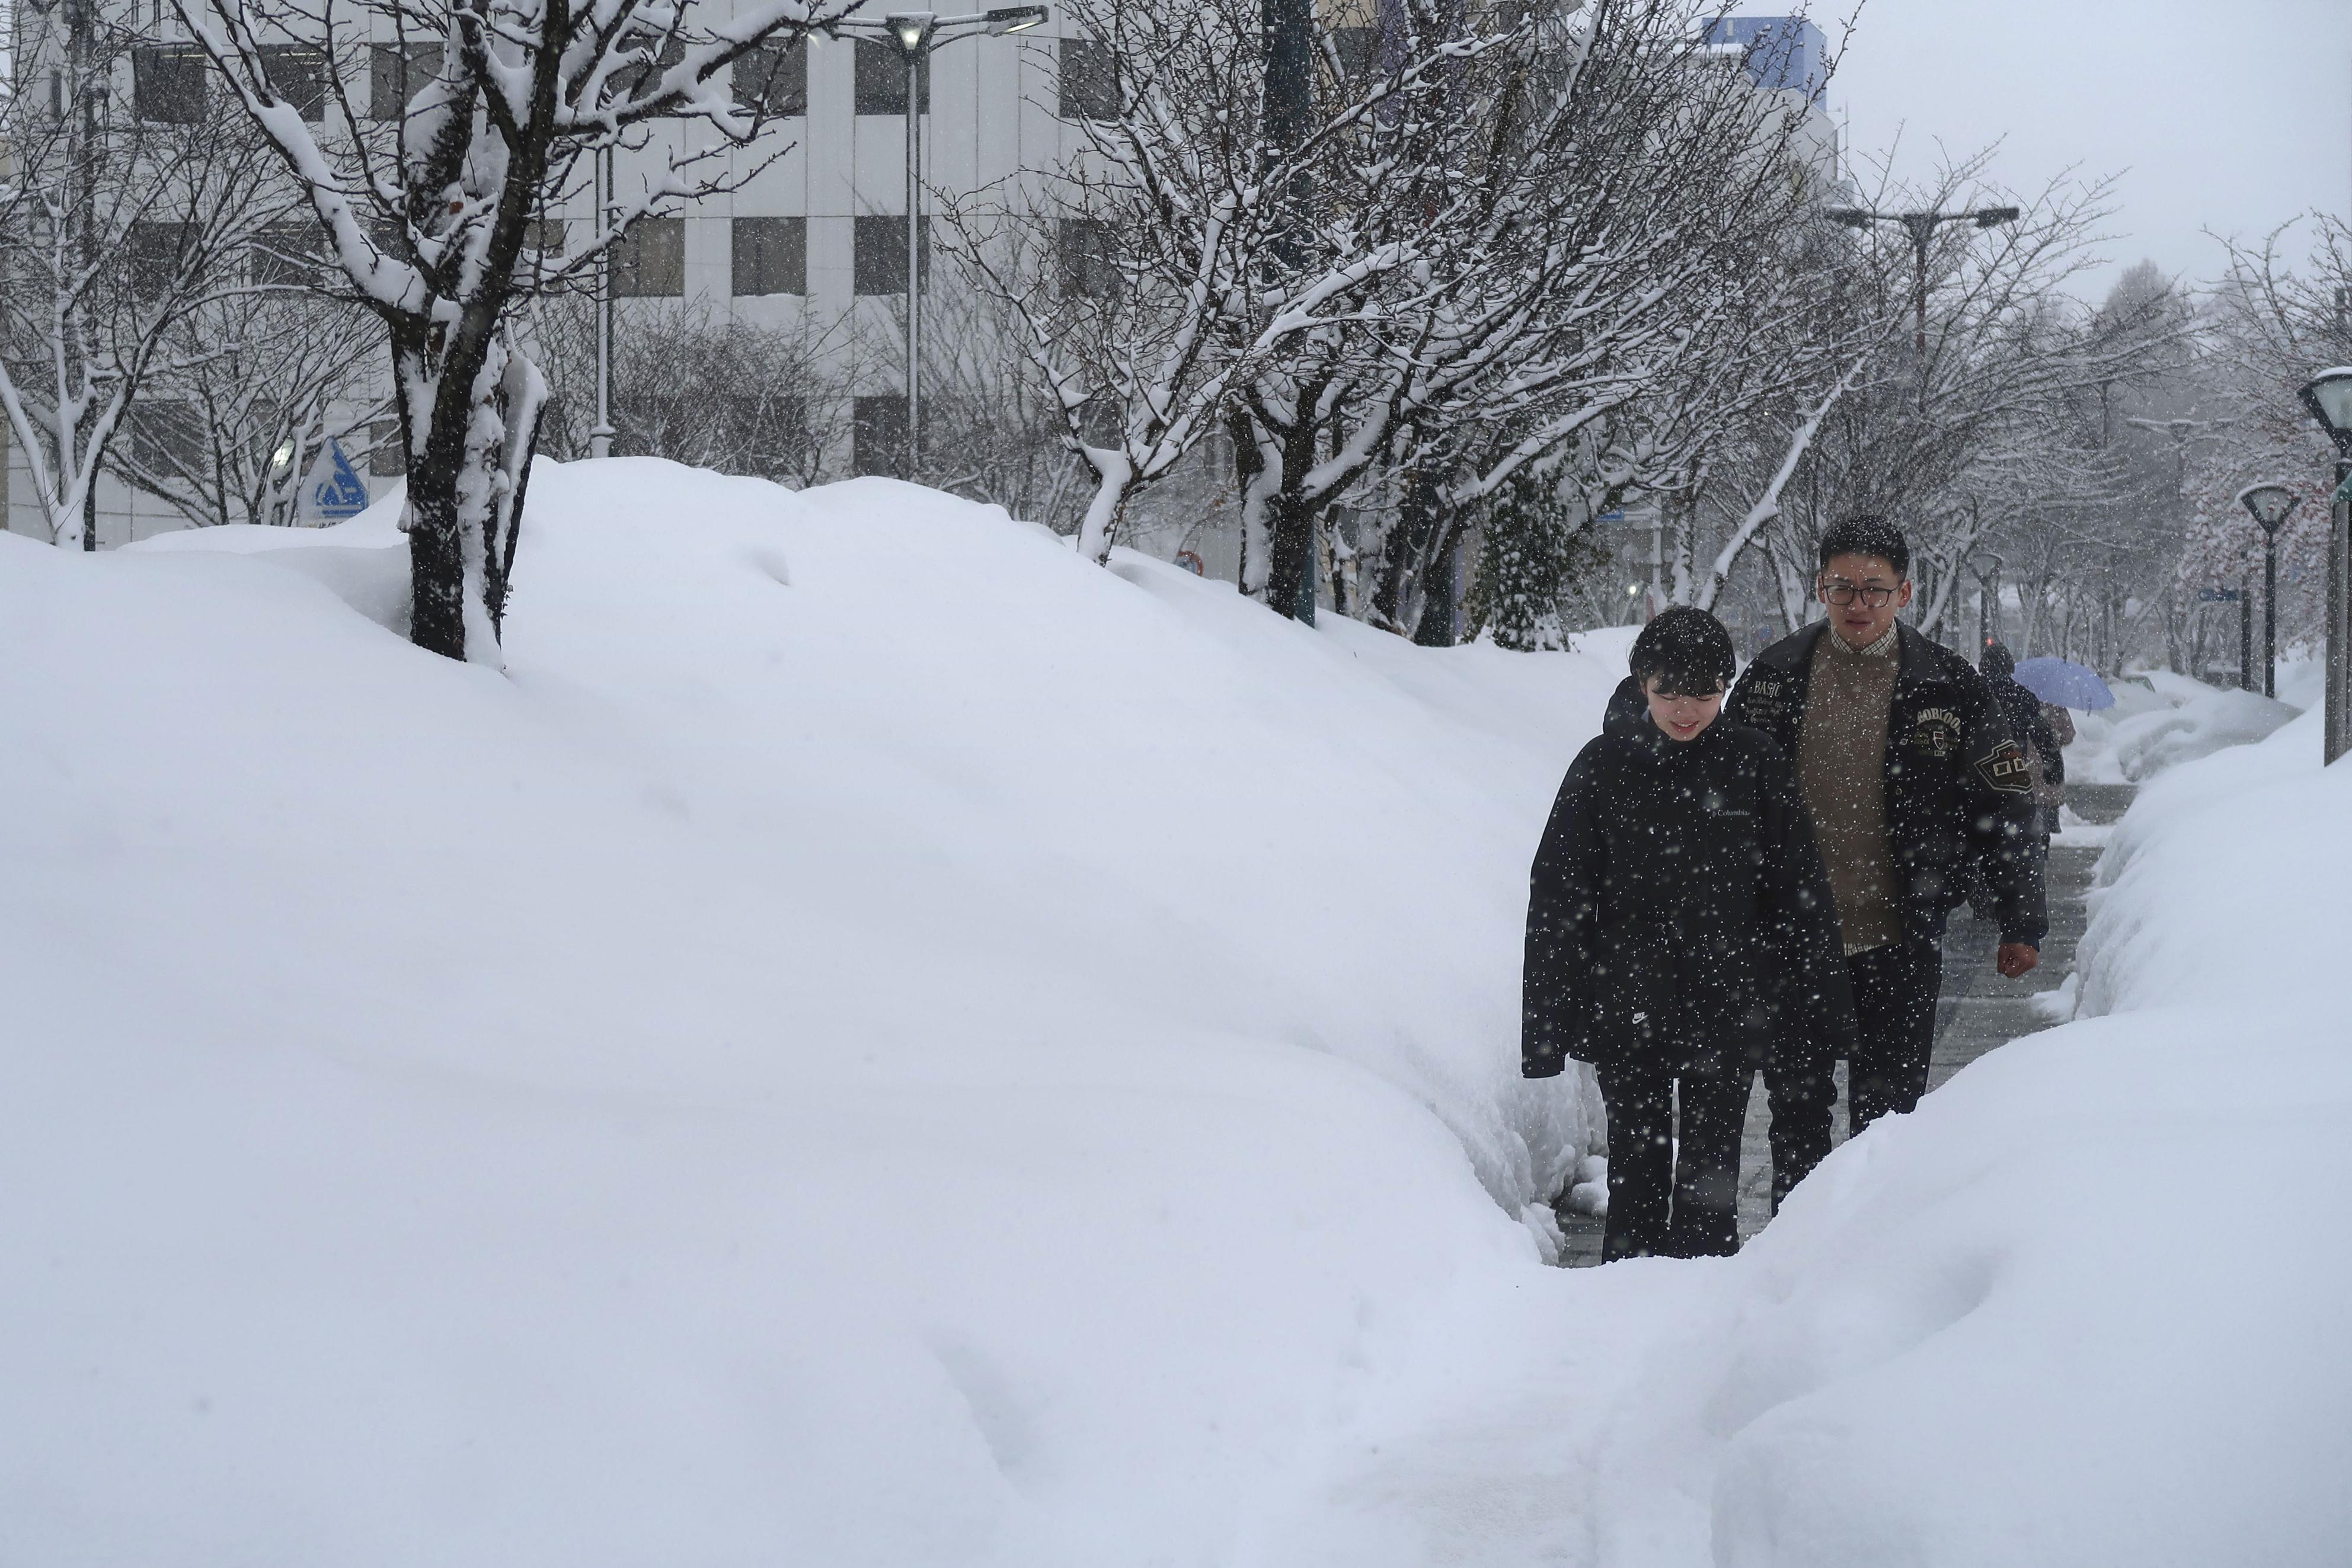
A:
x,y
881,77
167,84
1087,258
772,79
649,262
158,253
877,262
771,256
642,77
166,437
387,458
1359,49
877,436
297,72
395,73
287,256
1086,79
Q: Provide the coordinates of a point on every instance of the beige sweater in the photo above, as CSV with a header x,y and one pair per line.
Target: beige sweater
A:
x,y
1841,770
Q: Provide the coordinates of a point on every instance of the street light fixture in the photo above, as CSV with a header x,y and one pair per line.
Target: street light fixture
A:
x,y
914,34
2328,396
1922,227
2271,505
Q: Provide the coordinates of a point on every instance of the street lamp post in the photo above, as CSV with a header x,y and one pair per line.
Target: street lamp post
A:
x,y
600,437
2269,506
2245,621
1921,227
2328,396
914,34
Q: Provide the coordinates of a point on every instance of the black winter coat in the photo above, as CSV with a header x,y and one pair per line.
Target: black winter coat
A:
x,y
2028,720
1959,795
1678,916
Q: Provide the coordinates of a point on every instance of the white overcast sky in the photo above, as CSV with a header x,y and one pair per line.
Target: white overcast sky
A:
x,y
2231,115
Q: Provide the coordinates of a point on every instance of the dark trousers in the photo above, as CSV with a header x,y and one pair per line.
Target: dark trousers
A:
x,y
1661,1205
1894,992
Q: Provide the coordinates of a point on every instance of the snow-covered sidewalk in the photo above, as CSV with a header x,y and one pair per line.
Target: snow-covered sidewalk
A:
x,y
2084,1306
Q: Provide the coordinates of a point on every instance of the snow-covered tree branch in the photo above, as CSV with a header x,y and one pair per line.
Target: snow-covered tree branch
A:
x,y
432,209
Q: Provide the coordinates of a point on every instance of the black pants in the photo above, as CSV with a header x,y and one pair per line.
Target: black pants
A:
x,y
1659,1205
1895,991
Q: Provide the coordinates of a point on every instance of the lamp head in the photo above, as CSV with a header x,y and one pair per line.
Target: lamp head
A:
x,y
2269,504
1014,18
910,30
1993,217
2328,396
1851,217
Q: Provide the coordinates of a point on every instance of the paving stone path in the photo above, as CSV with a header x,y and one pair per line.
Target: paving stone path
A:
x,y
1979,1011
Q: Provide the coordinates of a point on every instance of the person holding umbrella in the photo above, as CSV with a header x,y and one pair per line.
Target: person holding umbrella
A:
x,y
1680,925
1913,782
2037,724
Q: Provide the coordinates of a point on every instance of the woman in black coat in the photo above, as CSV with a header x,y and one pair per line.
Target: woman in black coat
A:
x,y
1679,920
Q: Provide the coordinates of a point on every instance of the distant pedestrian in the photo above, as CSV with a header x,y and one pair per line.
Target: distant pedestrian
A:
x,y
2032,722
1916,786
1679,920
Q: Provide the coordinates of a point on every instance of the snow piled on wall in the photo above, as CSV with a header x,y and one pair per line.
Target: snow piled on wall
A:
x,y
874,1041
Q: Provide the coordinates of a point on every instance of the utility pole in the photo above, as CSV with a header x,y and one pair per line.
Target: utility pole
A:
x,y
1921,227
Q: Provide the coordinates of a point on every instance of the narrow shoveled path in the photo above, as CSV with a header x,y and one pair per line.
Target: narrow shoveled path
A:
x,y
1570,1418
1979,1011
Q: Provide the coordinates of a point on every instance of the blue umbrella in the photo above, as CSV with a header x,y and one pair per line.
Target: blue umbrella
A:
x,y
2063,683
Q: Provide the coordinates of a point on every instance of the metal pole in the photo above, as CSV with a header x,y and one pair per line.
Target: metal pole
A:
x,y
600,438
2246,624
914,259
1921,227
2270,612
2339,633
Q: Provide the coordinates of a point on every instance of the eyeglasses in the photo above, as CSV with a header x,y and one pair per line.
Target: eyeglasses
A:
x,y
1839,592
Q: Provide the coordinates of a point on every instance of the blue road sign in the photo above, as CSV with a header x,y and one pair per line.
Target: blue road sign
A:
x,y
2216,596
340,492
1615,515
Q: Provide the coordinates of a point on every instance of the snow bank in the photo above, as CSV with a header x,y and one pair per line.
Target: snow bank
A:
x,y
2228,883
2161,720
2083,1306
2087,1304
875,1043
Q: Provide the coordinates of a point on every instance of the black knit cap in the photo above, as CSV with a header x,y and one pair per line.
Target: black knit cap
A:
x,y
1687,651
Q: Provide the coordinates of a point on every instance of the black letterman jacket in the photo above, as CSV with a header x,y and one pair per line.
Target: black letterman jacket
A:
x,y
1958,786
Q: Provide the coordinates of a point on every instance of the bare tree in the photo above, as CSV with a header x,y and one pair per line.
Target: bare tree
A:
x,y
259,383
436,224
1996,426
121,218
2269,326
692,386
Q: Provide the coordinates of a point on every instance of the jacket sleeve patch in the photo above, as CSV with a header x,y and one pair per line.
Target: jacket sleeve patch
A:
x,y
2006,770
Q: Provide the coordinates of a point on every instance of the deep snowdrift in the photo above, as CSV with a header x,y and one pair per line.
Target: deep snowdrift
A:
x,y
873,1043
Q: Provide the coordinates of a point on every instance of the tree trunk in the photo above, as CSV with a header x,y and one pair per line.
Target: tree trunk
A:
x,y
1290,580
